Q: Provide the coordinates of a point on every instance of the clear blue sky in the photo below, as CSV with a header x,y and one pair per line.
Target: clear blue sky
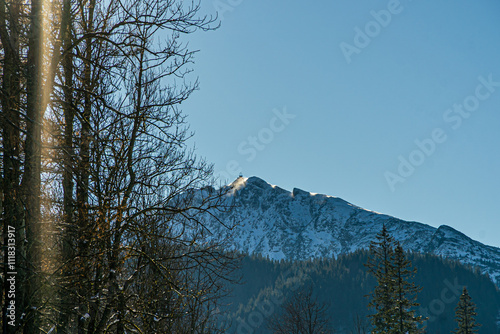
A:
x,y
356,85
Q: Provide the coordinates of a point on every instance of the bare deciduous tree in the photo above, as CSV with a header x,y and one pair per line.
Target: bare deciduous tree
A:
x,y
302,313
103,130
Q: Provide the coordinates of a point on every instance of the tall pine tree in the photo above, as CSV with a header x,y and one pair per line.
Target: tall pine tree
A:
x,y
395,294
465,313
405,294
380,265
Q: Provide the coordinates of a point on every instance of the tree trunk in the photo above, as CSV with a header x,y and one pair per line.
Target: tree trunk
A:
x,y
32,178
69,235
83,173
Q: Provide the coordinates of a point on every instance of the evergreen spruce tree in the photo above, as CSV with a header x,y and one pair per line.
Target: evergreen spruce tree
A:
x,y
465,313
394,295
405,294
380,265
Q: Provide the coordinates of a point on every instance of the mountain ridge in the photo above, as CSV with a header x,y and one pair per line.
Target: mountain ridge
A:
x,y
298,225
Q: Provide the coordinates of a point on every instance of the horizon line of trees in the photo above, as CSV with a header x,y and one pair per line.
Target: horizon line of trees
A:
x,y
392,301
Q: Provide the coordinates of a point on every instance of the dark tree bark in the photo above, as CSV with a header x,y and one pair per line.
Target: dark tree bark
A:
x,y
32,169
68,232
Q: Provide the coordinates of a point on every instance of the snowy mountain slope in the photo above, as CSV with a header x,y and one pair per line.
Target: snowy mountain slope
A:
x,y
300,225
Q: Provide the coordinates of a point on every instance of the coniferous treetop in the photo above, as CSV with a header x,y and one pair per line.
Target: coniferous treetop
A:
x,y
465,315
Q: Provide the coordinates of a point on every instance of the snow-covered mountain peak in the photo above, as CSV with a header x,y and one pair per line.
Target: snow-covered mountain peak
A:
x,y
298,224
237,184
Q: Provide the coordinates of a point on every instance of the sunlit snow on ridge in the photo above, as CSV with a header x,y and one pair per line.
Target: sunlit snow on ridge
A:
x,y
297,224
